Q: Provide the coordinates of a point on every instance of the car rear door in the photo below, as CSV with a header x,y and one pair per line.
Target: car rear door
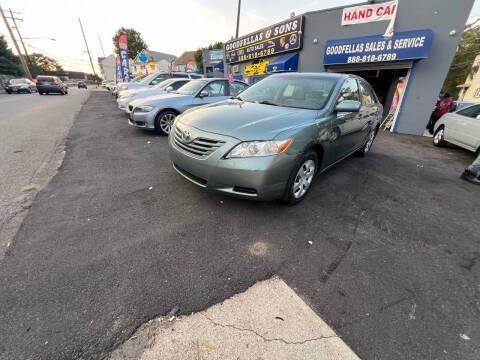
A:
x,y
371,108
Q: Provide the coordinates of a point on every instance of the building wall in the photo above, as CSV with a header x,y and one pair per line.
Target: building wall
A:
x,y
471,89
108,67
427,75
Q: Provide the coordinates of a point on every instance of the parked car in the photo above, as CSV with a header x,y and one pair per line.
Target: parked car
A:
x,y
459,105
166,86
20,86
159,112
154,79
461,128
271,140
82,85
51,85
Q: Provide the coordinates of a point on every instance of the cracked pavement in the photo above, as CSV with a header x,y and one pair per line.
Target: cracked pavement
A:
x,y
100,253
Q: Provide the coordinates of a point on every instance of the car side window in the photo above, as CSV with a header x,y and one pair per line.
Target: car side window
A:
x,y
349,91
179,75
159,79
471,112
216,88
236,88
367,96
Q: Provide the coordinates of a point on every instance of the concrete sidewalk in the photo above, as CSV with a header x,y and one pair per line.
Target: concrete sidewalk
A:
x,y
268,321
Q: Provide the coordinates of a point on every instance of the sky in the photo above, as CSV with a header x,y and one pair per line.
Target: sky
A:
x,y
168,26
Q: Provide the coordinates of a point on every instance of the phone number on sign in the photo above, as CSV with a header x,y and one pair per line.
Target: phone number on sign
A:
x,y
371,58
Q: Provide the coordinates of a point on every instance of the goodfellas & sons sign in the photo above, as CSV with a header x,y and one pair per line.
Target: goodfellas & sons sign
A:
x,y
279,38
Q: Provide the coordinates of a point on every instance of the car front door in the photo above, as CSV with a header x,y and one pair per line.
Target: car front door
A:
x,y
347,127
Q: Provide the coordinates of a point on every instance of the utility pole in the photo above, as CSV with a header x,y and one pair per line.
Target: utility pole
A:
x,y
101,45
238,18
14,19
86,44
22,59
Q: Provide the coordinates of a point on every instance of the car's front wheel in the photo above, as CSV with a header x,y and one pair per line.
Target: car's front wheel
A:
x,y
439,137
301,178
164,122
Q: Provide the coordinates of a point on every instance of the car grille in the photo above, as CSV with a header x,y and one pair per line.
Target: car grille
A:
x,y
200,147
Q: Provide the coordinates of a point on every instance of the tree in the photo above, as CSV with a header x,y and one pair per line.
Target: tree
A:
x,y
134,40
461,67
199,53
41,64
9,62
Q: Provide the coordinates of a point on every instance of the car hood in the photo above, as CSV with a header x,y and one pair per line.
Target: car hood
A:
x,y
246,120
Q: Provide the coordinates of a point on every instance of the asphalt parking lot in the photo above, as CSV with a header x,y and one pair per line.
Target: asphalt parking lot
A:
x,y
117,237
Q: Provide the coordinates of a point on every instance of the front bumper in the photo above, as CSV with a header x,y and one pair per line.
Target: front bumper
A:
x,y
260,178
142,120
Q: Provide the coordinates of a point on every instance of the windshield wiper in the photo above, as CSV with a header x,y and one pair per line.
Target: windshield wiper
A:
x,y
266,102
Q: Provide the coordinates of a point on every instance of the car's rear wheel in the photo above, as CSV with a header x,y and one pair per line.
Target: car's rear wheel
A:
x,y
368,145
301,178
439,137
164,122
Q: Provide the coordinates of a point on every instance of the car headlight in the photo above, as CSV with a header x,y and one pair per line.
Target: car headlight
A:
x,y
259,148
144,108
123,87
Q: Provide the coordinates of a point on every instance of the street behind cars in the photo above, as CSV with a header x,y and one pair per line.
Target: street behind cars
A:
x,y
271,140
159,112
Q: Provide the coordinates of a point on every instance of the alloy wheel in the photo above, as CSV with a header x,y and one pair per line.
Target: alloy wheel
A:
x,y
166,122
438,136
303,179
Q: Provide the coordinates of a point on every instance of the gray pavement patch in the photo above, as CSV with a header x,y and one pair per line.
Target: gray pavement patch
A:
x,y
245,326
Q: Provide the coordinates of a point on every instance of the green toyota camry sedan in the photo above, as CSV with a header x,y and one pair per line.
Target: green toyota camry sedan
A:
x,y
273,139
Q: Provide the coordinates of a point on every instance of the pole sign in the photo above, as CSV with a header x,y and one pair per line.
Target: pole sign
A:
x,y
142,57
408,45
279,38
369,13
123,47
119,69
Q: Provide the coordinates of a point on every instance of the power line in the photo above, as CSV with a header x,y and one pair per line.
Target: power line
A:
x,y
22,59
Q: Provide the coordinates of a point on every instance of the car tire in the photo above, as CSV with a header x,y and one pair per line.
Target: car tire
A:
x,y
439,137
9,92
301,178
365,149
164,121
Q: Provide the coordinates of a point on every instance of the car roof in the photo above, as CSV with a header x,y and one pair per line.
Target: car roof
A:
x,y
317,74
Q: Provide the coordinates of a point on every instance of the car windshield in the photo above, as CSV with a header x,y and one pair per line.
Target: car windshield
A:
x,y
192,87
305,92
139,78
147,78
163,84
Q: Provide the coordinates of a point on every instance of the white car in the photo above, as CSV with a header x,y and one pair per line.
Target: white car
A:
x,y
153,79
164,87
461,128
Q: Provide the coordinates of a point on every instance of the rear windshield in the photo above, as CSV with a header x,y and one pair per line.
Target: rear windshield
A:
x,y
17,81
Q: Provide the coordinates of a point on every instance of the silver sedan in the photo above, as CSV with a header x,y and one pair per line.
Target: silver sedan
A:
x,y
159,112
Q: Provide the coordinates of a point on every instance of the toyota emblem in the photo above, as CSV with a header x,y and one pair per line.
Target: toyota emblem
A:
x,y
187,136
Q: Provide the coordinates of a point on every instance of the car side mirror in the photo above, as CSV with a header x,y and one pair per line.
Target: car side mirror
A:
x,y
203,94
348,106
169,89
